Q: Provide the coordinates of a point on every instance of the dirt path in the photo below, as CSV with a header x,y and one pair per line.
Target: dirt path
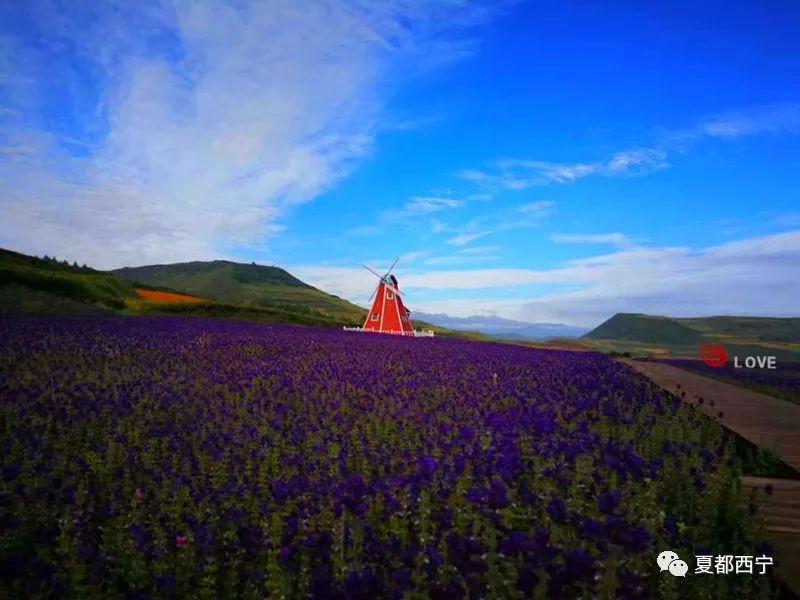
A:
x,y
768,422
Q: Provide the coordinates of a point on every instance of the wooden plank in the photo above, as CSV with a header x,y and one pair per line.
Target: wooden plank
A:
x,y
770,423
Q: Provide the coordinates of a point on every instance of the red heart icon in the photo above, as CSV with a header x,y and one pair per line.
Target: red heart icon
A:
x,y
714,355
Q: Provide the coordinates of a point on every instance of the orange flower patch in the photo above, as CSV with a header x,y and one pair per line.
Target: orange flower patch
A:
x,y
166,297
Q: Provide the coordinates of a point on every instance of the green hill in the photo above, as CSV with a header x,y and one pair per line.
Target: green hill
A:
x,y
32,285
656,335
764,329
251,292
645,328
251,285
47,286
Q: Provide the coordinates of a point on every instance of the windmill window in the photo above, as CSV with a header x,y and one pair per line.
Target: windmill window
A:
x,y
390,295
375,316
405,319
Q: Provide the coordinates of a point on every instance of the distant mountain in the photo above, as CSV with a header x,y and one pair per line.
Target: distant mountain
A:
x,y
763,329
649,334
502,328
667,330
645,328
243,284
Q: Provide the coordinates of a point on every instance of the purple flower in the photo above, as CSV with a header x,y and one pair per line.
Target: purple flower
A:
x,y
309,446
353,495
498,494
427,466
557,510
608,501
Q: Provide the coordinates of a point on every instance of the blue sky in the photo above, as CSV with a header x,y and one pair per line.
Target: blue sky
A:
x,y
550,162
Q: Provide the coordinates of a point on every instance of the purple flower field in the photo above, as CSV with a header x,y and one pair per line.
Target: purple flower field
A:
x,y
781,382
160,457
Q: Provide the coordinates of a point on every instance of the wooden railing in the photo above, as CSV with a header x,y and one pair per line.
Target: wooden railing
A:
x,y
403,333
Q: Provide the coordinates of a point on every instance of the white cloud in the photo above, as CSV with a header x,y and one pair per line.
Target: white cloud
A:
x,y
615,239
517,174
755,276
436,226
480,196
418,209
780,118
476,250
465,238
525,215
729,126
421,205
520,174
539,172
12,152
538,209
410,257
640,160
255,108
364,230
459,259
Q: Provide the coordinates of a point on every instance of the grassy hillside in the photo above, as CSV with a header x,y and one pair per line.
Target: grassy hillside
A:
x,y
244,284
645,328
40,285
663,336
31,285
763,329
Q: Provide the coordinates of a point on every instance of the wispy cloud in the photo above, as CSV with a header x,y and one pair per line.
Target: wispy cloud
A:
x,y
466,256
530,214
459,259
417,210
206,138
473,230
465,238
514,174
617,239
526,173
364,230
12,152
775,118
426,204
479,250
518,174
750,276
537,210
410,257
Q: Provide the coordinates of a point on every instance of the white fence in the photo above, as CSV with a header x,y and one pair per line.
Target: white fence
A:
x,y
404,333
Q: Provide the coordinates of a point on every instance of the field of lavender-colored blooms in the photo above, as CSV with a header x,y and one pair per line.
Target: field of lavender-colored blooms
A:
x,y
160,457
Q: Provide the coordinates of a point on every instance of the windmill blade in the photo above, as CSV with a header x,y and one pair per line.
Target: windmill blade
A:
x,y
372,295
392,267
394,289
373,271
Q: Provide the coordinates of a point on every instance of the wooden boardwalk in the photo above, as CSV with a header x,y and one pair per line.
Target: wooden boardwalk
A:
x,y
768,422
778,502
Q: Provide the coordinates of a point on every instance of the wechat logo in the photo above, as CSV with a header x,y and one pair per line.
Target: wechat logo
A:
x,y
670,561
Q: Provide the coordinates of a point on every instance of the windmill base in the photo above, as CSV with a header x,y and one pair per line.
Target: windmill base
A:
x,y
403,333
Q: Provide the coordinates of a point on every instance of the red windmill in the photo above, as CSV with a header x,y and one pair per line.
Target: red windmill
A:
x,y
388,313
